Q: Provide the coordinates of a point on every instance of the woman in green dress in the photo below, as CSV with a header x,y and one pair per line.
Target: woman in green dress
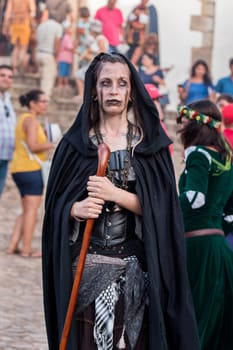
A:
x,y
206,196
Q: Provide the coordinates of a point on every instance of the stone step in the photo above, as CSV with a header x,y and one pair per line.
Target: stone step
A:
x,y
28,79
63,117
19,88
63,106
25,82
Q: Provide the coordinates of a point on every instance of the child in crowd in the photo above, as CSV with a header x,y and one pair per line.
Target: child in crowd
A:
x,y
65,56
155,96
97,43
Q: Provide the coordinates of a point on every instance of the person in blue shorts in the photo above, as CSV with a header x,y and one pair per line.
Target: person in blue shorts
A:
x,y
30,141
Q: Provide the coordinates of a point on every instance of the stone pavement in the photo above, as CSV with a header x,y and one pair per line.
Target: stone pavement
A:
x,y
21,311
21,306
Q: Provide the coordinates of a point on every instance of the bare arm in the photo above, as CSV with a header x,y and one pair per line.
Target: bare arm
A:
x,y
30,127
32,5
128,201
57,44
158,80
212,96
136,55
102,187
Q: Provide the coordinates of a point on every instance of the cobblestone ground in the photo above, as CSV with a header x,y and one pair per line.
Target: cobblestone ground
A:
x,y
21,311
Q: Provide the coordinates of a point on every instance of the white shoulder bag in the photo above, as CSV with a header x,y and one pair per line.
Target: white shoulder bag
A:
x,y
45,165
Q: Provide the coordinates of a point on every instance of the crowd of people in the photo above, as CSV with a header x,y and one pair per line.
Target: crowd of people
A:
x,y
159,265
47,39
200,84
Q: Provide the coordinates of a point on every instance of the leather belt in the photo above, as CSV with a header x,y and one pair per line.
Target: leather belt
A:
x,y
204,232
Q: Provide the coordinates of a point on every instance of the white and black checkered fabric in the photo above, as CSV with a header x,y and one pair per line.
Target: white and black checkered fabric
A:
x,y
105,315
105,312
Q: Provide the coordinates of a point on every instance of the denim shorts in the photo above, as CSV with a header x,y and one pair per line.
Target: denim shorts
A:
x,y
64,69
29,183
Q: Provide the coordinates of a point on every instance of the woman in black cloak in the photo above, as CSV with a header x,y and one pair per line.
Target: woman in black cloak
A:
x,y
134,292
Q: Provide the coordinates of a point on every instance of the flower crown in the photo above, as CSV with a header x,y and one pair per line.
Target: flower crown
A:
x,y
200,118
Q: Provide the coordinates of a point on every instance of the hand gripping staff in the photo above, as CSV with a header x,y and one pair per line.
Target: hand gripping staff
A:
x,y
103,157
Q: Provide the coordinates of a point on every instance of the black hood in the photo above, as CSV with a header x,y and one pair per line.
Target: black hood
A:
x,y
155,139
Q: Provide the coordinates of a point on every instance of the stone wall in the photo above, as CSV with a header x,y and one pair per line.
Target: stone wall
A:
x,y
205,24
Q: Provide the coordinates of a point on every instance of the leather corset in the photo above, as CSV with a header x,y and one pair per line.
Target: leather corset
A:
x,y
115,225
113,228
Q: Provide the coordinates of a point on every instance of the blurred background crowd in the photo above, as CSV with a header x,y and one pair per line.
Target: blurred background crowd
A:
x,y
48,40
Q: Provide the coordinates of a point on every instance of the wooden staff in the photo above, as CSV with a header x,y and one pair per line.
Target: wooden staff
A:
x,y
103,157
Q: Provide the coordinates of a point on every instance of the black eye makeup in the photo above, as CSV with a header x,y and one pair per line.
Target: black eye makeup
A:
x,y
108,82
105,82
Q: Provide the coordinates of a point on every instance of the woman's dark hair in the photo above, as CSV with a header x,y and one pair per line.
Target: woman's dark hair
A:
x,y
151,40
6,66
94,115
206,77
154,58
194,134
32,95
84,12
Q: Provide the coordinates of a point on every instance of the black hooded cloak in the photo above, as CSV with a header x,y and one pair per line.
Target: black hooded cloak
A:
x,y
172,322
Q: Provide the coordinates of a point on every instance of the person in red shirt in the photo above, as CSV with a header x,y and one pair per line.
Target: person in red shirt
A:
x,y
227,114
112,21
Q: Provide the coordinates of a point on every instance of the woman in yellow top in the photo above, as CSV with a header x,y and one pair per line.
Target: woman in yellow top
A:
x,y
26,172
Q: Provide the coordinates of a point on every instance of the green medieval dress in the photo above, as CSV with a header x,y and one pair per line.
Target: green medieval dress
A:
x,y
206,194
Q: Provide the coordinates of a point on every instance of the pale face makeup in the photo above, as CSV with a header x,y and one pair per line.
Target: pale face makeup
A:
x,y
113,89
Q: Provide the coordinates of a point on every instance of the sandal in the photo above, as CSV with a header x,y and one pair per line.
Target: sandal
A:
x,y
31,254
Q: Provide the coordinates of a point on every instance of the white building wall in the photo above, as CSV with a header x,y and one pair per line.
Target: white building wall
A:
x,y
223,43
176,38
